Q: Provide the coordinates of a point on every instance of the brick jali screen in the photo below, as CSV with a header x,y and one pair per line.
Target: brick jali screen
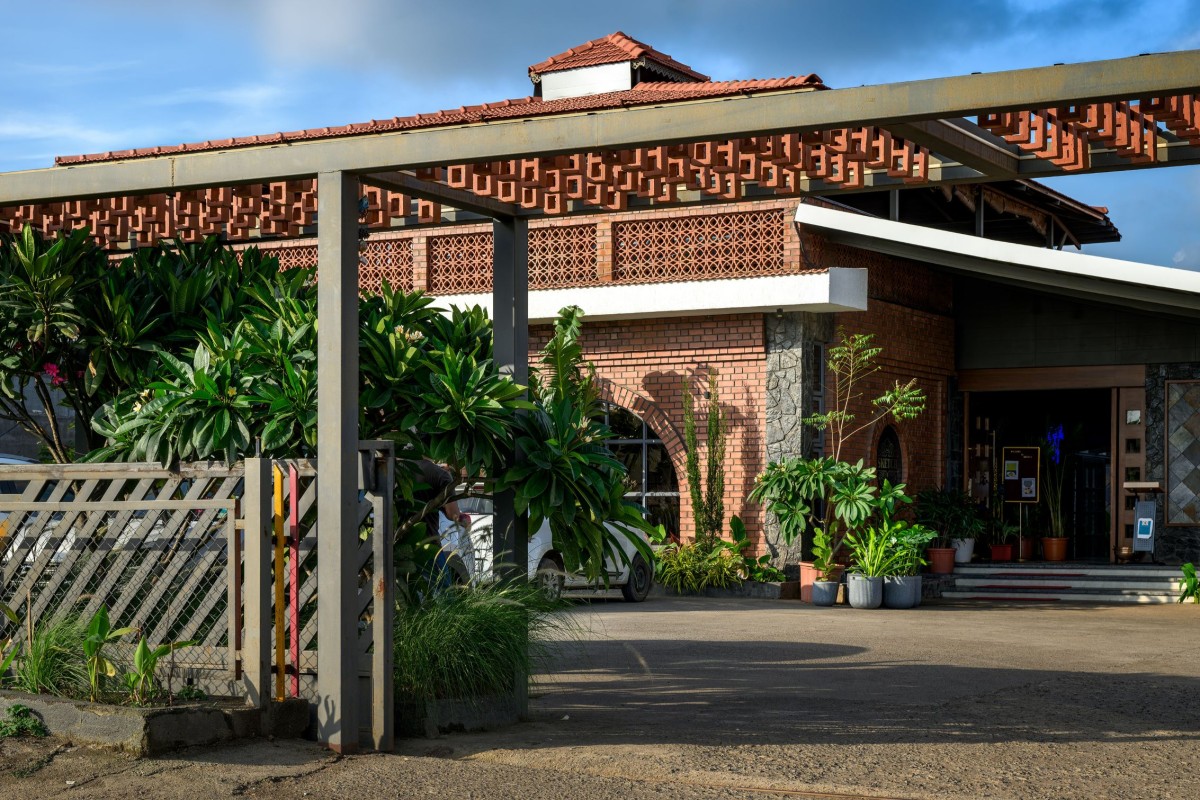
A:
x,y
691,247
460,264
562,256
386,259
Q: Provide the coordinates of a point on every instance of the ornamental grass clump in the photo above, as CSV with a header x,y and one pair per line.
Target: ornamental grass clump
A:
x,y
469,642
693,567
53,661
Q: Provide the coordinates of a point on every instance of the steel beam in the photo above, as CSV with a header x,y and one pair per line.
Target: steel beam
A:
x,y
409,184
964,142
337,461
1170,152
720,118
510,313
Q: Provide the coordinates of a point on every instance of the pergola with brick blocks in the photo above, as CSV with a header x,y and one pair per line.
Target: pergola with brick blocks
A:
x,y
528,176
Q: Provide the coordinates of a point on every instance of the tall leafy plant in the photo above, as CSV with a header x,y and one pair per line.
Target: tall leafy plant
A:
x,y
827,495
708,497
568,477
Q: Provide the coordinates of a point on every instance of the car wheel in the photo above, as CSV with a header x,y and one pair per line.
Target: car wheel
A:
x,y
637,588
550,578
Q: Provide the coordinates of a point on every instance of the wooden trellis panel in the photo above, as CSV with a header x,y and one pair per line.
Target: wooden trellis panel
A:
x,y
153,545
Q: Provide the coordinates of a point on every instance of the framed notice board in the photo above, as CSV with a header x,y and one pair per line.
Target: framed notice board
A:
x,y
1021,473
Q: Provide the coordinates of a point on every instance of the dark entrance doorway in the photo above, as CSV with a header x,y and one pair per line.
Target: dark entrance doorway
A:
x,y
1074,429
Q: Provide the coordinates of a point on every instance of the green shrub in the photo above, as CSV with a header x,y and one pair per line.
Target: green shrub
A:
x,y
1189,587
690,568
54,662
467,642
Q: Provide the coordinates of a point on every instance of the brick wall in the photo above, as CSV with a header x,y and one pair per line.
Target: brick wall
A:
x,y
643,363
909,313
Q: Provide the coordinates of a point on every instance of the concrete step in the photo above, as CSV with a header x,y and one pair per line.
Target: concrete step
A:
x,y
1053,596
1065,582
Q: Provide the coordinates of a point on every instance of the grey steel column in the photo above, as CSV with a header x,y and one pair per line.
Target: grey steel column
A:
x,y
510,304
337,461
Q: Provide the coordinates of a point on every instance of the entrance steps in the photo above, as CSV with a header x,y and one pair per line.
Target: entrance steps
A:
x,y
1042,582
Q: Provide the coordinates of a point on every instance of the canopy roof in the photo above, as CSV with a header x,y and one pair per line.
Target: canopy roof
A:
x,y
1106,280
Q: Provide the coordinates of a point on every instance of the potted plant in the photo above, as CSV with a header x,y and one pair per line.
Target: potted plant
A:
x,y
831,496
828,577
1002,547
952,514
872,556
1054,546
903,588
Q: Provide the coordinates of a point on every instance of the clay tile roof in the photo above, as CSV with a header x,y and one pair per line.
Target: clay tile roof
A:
x,y
611,49
642,94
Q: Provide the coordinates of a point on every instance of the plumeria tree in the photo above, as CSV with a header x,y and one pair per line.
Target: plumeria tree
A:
x,y
202,353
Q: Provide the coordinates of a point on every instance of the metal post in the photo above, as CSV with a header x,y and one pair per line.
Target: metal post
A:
x,y
383,710
256,644
337,461
979,211
510,301
894,205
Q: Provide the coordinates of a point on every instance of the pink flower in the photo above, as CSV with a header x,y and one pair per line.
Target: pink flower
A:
x,y
51,371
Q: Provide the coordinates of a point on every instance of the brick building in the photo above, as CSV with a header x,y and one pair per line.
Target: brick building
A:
x,y
733,286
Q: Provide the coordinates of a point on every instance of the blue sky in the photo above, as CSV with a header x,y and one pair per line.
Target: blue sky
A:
x,y
92,76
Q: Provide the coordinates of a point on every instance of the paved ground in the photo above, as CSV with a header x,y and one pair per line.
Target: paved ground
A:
x,y
706,698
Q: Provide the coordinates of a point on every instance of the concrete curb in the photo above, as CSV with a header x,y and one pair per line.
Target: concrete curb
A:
x,y
151,731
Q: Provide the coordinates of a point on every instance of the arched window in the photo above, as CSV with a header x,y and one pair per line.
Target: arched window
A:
x,y
651,477
889,463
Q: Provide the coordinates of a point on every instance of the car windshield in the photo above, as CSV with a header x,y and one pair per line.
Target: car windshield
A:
x,y
475,505
13,487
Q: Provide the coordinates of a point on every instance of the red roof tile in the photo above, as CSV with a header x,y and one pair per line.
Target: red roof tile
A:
x,y
642,94
611,49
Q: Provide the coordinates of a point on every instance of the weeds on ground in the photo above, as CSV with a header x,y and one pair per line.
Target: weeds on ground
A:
x,y
468,642
20,721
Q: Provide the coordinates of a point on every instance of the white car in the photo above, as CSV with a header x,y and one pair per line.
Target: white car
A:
x,y
470,550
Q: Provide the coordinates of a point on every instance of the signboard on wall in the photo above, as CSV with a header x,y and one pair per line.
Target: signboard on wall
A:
x,y
1021,474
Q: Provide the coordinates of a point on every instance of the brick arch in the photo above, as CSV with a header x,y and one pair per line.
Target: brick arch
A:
x,y
653,416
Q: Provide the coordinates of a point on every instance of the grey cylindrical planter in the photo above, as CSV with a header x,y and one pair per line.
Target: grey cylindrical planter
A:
x,y
824,593
902,591
866,592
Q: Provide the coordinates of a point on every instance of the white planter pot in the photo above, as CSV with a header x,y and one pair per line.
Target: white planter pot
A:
x,y
964,549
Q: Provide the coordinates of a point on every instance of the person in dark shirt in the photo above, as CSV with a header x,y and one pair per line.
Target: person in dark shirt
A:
x,y
435,480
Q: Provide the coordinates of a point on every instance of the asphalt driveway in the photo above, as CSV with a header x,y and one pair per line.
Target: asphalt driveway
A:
x,y
699,698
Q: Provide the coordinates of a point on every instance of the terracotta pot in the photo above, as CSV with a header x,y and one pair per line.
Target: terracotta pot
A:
x,y
941,560
1027,550
1054,548
1002,552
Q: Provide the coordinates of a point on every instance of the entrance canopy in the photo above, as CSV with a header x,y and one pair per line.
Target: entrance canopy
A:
x,y
1109,280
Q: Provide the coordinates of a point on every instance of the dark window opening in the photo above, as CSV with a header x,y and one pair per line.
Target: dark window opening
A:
x,y
651,479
